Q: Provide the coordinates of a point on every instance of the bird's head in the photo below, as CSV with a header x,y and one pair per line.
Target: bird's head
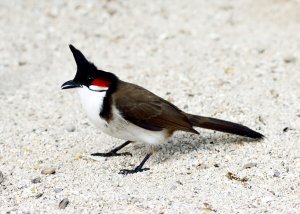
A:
x,y
88,75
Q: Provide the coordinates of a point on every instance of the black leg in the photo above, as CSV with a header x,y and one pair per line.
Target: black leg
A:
x,y
139,168
113,152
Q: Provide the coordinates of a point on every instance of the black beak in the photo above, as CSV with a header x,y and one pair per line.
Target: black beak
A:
x,y
71,84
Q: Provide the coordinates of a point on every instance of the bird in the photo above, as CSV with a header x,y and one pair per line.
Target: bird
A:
x,y
132,113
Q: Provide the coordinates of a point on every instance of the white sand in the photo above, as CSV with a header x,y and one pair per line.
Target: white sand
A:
x,y
216,58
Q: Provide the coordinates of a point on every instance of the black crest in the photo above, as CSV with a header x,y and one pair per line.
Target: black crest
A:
x,y
87,70
84,67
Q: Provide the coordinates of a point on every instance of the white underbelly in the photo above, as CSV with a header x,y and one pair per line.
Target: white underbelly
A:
x,y
117,127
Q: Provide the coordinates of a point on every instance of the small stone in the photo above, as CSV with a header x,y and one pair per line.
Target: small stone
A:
x,y
111,12
48,171
273,193
290,59
287,169
64,203
57,190
1,177
77,156
249,165
261,50
70,128
261,119
34,189
232,176
21,63
285,129
36,180
229,70
179,182
37,167
276,173
39,195
207,208
274,93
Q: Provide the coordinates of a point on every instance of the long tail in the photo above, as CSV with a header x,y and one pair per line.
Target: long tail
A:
x,y
223,126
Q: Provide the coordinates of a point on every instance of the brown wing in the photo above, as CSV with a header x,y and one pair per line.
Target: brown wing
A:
x,y
145,109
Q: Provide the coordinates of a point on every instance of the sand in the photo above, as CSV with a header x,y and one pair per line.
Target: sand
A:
x,y
234,60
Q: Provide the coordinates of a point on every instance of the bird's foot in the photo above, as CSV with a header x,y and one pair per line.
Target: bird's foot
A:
x,y
112,154
132,171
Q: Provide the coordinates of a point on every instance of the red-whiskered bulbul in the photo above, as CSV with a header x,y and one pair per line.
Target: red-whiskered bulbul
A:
x,y
132,113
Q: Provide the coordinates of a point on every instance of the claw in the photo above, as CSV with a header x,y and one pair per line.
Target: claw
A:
x,y
132,171
112,154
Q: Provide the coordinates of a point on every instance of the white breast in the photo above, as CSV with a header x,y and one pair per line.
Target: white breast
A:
x,y
92,102
118,127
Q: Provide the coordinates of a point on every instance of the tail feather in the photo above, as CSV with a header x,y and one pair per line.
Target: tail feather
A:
x,y
223,126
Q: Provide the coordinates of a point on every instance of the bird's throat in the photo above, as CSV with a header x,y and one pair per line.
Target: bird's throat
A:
x,y
92,102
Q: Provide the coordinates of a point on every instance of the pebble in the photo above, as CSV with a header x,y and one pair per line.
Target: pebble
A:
x,y
276,173
36,180
274,93
70,128
261,50
34,189
64,203
232,176
179,182
57,190
207,208
249,165
261,119
285,129
21,63
48,171
77,156
229,71
1,177
39,195
290,59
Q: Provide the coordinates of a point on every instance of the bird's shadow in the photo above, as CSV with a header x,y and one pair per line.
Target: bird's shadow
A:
x,y
185,143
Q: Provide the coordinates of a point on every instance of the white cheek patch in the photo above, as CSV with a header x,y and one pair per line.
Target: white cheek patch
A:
x,y
97,88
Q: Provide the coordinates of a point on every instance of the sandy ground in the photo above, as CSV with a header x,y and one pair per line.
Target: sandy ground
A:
x,y
235,60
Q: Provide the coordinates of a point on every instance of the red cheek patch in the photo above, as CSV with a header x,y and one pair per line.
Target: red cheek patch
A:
x,y
101,83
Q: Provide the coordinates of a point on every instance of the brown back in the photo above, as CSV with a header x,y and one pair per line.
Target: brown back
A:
x,y
145,109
